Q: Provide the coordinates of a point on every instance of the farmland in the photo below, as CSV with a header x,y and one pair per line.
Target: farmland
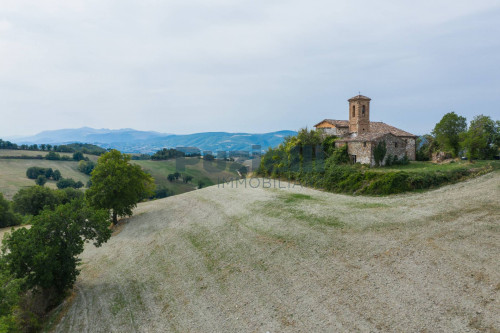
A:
x,y
13,173
292,259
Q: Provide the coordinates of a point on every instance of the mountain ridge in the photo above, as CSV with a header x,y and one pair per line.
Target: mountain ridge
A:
x,y
134,141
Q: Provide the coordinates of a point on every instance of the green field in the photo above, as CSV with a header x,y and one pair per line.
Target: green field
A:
x,y
210,174
12,152
416,166
13,173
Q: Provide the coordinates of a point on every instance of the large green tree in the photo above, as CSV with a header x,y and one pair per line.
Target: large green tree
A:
x,y
32,200
482,139
448,132
46,255
118,185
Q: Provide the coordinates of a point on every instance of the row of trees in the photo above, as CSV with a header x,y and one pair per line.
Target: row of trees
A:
x,y
176,176
39,265
166,154
84,148
479,140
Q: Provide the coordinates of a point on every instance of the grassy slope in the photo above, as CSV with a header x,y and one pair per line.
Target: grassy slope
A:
x,y
210,175
416,166
11,152
13,174
295,259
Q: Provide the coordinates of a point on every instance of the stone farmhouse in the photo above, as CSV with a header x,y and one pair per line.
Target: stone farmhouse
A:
x,y
362,135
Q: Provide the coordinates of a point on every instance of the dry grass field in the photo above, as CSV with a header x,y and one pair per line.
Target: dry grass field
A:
x,y
13,173
297,260
12,152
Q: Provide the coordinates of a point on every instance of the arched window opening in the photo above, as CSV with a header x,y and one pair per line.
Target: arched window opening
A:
x,y
354,110
363,111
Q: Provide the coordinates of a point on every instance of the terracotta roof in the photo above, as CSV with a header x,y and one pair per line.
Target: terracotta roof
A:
x,y
380,127
337,123
359,97
376,127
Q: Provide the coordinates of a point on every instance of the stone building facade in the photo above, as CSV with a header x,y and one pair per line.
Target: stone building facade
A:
x,y
362,136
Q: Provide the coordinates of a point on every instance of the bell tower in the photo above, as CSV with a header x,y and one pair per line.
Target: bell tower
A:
x,y
359,114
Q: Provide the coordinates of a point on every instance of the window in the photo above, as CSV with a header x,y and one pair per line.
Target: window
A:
x,y
363,111
354,110
395,144
364,144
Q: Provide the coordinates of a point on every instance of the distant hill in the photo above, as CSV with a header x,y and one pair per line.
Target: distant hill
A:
x,y
133,141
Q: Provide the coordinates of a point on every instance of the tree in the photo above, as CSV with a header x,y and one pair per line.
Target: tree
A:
x,y
379,152
118,185
208,157
7,216
171,177
68,182
482,139
52,156
56,175
33,200
86,167
48,173
78,156
41,180
426,145
448,131
47,254
187,178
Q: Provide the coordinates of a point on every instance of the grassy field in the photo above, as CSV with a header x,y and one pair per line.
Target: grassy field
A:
x,y
209,173
13,174
416,166
289,259
12,152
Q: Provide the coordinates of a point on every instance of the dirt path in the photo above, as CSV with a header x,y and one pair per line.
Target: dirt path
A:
x,y
298,260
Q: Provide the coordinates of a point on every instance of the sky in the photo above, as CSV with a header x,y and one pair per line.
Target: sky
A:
x,y
254,66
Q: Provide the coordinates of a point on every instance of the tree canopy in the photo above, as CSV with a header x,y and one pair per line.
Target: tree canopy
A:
x,y
47,254
118,185
482,139
448,132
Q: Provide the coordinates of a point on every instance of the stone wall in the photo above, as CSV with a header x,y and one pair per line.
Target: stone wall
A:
x,y
411,148
362,150
395,147
334,131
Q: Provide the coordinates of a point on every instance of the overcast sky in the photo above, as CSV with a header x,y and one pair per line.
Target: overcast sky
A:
x,y
243,65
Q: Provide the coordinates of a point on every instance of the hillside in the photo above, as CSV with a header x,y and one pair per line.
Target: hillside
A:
x,y
295,259
13,173
209,174
133,141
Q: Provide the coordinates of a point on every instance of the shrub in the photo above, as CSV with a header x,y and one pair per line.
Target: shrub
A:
x,y
78,156
86,167
162,193
41,180
53,156
379,152
68,182
56,175
340,155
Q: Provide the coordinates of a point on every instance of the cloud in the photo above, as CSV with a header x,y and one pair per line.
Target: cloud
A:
x,y
193,65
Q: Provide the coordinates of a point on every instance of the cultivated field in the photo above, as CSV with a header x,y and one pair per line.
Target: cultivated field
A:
x,y
209,173
297,260
13,174
14,152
